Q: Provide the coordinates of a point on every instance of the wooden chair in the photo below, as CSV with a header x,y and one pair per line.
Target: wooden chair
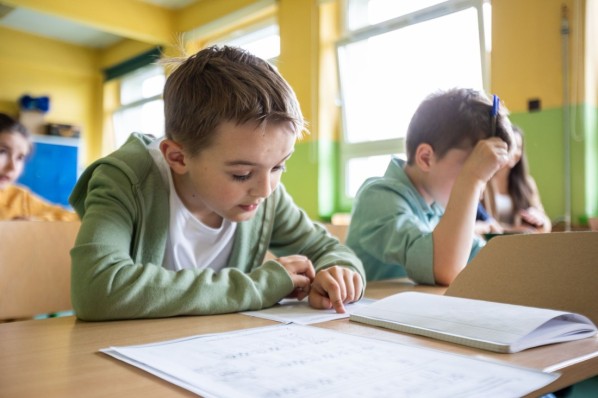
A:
x,y
338,231
35,267
558,270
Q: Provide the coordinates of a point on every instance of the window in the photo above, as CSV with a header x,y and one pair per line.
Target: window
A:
x,y
262,40
393,55
142,107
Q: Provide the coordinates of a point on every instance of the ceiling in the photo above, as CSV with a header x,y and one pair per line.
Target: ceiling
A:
x,y
40,24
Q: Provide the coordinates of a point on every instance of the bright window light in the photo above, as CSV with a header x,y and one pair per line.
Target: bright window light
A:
x,y
142,108
263,42
359,169
386,70
370,12
384,78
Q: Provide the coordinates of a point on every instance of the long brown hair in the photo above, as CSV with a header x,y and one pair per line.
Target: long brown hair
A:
x,y
519,186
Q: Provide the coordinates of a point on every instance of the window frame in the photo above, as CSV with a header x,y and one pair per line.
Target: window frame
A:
x,y
137,103
351,150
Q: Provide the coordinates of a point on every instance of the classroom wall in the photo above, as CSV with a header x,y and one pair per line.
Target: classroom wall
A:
x,y
72,75
527,63
591,107
38,66
298,63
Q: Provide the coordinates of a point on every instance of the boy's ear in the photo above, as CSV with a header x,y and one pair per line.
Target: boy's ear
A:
x,y
174,155
424,155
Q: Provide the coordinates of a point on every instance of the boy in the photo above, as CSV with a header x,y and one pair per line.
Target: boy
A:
x,y
180,226
418,220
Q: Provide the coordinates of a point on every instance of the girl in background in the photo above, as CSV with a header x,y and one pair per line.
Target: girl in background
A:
x,y
512,197
17,202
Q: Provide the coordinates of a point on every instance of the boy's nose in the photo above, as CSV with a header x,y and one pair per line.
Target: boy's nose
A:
x,y
262,188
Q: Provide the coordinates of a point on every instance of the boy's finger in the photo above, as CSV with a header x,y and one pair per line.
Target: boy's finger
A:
x,y
349,287
310,272
334,292
358,283
338,306
317,300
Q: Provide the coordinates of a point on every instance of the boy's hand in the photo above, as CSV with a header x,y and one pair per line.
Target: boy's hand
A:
x,y
334,286
487,157
302,274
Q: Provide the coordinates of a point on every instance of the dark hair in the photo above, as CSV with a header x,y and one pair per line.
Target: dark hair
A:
x,y
455,118
12,126
519,186
224,84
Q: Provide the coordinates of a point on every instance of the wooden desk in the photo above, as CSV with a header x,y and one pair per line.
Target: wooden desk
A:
x,y
59,357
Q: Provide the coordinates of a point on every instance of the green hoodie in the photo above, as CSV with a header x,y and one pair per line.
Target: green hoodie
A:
x,y
117,259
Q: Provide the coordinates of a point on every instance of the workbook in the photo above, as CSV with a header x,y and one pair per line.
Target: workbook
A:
x,y
294,361
481,324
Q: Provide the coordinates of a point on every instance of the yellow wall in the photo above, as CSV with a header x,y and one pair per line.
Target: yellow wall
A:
x,y
528,63
67,73
527,51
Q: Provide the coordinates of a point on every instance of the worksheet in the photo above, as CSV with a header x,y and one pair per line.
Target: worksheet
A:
x,y
294,311
292,361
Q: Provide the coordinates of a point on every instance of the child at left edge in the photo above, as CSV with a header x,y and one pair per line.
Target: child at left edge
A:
x,y
181,225
18,202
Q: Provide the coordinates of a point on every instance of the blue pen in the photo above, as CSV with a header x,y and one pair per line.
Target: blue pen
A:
x,y
494,113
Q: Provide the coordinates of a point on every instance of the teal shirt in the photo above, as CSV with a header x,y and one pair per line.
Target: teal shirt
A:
x,y
391,228
117,259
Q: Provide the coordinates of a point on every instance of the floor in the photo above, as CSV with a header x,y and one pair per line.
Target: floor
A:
x,y
586,389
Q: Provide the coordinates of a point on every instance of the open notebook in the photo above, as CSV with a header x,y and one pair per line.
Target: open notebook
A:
x,y
487,325
557,271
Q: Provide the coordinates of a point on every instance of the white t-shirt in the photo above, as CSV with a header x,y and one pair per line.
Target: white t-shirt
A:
x,y
504,208
191,243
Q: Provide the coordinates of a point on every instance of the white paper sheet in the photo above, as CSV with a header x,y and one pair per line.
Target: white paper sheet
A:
x,y
293,311
292,361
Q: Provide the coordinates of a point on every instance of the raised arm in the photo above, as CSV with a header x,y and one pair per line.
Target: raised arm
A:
x,y
454,233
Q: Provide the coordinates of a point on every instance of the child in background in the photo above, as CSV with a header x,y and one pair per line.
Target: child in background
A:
x,y
181,225
17,202
512,196
418,219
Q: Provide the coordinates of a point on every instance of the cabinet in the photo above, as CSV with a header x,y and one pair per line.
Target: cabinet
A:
x,y
53,168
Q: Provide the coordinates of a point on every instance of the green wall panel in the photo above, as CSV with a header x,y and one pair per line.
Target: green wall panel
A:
x,y
544,146
301,177
328,180
591,166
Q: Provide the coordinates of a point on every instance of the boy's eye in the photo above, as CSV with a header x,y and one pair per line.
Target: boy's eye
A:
x,y
280,167
241,177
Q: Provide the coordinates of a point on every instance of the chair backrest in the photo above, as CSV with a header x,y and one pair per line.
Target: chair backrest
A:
x,y
35,267
555,270
339,231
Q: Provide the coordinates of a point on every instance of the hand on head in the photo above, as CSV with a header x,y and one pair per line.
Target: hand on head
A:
x,y
487,157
